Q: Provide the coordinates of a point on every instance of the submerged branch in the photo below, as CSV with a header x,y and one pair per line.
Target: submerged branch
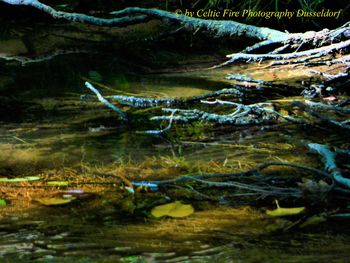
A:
x,y
329,159
252,114
159,132
141,102
245,118
230,180
232,176
268,190
323,118
105,102
318,105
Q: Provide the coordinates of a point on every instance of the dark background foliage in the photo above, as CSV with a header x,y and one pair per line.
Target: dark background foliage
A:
x,y
102,7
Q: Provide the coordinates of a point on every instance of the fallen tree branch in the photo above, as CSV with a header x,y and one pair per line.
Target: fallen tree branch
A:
x,y
221,28
323,118
258,108
252,114
245,118
329,159
343,60
159,132
75,17
319,105
321,51
141,102
133,15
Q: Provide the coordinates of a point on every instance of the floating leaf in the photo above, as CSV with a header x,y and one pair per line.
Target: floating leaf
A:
x,y
49,201
32,178
2,202
280,211
17,179
12,180
175,209
58,183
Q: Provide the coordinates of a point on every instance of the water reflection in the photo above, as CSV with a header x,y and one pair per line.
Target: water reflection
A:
x,y
47,130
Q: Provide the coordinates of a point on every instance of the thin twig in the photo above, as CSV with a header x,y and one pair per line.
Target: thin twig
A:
x,y
105,102
159,132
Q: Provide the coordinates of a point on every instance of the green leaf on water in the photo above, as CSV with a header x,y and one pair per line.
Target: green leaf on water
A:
x,y
58,183
174,209
32,178
11,180
52,201
2,202
19,179
280,211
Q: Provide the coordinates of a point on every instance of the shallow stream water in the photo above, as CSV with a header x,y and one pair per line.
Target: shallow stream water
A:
x,y
46,130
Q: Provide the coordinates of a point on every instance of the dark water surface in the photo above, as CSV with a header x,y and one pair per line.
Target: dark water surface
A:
x,y
46,130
